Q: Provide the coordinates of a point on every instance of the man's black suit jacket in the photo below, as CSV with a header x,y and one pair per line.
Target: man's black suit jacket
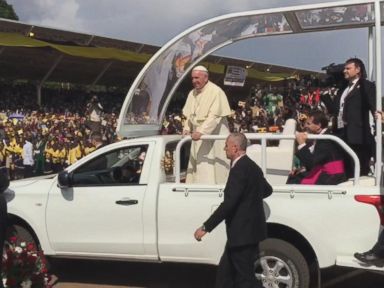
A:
x,y
242,208
357,105
324,151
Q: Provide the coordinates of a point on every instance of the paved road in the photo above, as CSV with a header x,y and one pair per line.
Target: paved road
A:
x,y
97,274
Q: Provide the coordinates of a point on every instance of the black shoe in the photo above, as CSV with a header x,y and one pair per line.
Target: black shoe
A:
x,y
370,258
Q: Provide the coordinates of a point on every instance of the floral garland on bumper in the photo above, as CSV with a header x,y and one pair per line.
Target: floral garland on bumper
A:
x,y
24,266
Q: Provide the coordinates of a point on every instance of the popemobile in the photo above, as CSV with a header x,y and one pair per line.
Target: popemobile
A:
x,y
129,201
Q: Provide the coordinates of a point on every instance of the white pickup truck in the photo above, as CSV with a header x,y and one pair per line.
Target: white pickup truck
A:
x,y
119,203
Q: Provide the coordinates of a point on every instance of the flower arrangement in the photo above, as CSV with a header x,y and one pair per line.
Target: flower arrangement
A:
x,y
24,266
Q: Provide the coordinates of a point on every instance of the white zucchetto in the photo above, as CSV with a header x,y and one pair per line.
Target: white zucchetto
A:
x,y
200,68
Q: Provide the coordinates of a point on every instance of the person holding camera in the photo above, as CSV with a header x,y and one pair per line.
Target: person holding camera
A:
x,y
94,111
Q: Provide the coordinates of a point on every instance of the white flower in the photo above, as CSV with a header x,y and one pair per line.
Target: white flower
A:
x,y
23,244
18,250
26,284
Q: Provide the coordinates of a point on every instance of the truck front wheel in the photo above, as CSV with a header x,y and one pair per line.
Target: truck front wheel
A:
x,y
281,265
20,235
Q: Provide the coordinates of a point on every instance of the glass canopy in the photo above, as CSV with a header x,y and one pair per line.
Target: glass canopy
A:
x,y
336,16
147,100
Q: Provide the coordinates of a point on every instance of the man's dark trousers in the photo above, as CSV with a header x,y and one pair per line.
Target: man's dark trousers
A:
x,y
28,171
378,249
236,268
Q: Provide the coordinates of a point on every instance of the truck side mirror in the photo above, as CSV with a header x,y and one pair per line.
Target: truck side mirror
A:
x,y
64,179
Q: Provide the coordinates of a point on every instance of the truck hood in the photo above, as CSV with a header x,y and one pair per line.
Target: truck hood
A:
x,y
29,181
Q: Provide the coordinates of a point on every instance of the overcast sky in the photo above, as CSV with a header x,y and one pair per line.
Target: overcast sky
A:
x,y
157,21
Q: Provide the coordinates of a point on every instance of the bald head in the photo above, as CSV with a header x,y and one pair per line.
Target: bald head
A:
x,y
239,140
235,145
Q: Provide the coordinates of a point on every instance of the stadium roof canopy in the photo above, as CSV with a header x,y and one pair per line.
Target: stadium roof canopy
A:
x,y
43,54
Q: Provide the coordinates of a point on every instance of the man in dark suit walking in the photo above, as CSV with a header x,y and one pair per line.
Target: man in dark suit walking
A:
x,y
243,212
351,109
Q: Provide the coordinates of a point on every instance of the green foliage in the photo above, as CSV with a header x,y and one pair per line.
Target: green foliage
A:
x,y
6,11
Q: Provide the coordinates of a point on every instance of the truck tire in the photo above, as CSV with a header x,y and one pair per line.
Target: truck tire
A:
x,y
22,235
281,265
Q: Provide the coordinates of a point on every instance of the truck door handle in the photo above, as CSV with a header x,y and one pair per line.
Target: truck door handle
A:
x,y
127,202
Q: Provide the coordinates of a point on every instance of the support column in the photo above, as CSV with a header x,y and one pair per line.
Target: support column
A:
x,y
40,84
379,146
38,90
371,53
102,72
53,67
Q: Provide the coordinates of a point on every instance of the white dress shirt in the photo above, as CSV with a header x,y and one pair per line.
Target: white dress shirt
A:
x,y
28,153
237,159
312,148
340,122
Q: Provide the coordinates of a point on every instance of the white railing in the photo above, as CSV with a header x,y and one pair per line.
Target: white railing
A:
x,y
264,138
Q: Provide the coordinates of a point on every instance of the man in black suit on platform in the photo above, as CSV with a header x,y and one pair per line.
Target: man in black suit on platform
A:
x,y
351,109
243,212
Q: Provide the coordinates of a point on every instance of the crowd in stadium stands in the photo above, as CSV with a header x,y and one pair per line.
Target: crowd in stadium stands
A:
x,y
60,130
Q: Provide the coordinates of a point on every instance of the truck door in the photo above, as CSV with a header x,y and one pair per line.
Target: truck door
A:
x,y
182,209
101,213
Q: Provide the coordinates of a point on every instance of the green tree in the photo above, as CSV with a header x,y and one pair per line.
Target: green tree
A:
x,y
6,11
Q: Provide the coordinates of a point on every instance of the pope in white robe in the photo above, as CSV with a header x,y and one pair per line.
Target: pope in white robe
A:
x,y
206,110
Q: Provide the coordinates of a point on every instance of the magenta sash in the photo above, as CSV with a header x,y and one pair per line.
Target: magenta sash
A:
x,y
331,168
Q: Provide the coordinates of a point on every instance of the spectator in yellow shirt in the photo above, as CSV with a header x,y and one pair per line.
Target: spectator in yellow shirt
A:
x,y
74,152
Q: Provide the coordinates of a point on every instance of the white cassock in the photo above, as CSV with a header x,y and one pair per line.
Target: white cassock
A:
x,y
206,113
